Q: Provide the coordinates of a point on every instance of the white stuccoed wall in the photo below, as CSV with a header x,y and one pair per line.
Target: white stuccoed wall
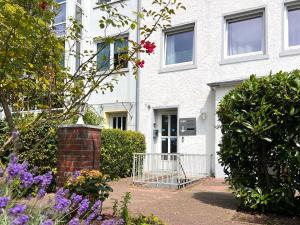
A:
x,y
187,89
125,88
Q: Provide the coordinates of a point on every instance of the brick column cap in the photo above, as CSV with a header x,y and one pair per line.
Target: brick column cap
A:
x,y
78,126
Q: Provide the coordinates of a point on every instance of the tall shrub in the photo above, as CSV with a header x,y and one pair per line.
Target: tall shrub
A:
x,y
39,144
117,151
260,147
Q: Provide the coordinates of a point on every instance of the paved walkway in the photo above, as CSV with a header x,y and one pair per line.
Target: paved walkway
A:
x,y
206,203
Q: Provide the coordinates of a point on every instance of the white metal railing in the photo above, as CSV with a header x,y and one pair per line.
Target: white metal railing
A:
x,y
168,170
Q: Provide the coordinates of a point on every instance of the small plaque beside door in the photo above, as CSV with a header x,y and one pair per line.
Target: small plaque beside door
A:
x,y
187,126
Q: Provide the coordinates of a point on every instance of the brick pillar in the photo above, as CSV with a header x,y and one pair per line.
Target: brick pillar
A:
x,y
78,148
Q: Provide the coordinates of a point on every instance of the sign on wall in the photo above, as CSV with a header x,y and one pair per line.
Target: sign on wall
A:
x,y
187,126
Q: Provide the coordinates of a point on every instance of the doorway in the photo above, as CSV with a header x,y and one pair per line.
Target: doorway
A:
x,y
168,132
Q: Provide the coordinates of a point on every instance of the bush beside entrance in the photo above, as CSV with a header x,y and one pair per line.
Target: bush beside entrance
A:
x,y
117,151
260,147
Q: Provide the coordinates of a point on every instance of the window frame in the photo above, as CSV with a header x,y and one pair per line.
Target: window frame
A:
x,y
288,6
64,22
246,16
240,16
121,115
176,30
111,54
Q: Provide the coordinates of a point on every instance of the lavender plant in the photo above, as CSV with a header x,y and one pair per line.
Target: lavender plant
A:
x,y
63,208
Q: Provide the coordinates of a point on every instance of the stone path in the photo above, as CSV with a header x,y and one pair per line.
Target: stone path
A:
x,y
207,202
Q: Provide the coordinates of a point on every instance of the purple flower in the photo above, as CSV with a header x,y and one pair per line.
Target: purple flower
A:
x,y
4,201
37,179
17,209
76,174
26,179
99,218
13,170
90,218
41,193
20,220
47,179
109,222
1,172
61,192
83,206
76,198
120,222
15,134
97,205
43,180
74,221
13,158
47,222
24,166
62,204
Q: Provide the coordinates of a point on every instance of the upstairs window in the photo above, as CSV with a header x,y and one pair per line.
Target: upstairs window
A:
x,y
60,19
245,34
179,46
120,52
106,60
293,17
103,57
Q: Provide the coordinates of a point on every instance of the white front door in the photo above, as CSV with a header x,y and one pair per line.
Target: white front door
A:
x,y
168,132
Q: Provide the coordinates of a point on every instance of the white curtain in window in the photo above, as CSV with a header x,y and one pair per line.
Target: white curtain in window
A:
x,y
294,27
170,51
179,47
245,36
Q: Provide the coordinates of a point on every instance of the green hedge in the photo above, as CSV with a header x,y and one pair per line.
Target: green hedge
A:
x,y
117,151
40,142
260,147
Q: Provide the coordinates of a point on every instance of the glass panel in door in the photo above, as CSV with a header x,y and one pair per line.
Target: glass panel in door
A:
x,y
164,125
169,135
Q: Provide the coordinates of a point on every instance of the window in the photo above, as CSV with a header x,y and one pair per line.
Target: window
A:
x,y
245,34
293,25
119,122
120,51
60,19
103,57
179,46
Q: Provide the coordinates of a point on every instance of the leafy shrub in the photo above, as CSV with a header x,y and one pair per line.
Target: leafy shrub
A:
x,y
40,142
89,183
90,117
117,151
260,147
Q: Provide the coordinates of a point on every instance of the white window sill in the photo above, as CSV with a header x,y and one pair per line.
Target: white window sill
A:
x,y
239,59
175,68
290,52
109,3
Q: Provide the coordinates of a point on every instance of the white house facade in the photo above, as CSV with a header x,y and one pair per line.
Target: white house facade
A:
x,y
212,46
117,108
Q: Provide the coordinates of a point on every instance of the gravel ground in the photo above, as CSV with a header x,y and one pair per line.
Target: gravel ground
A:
x,y
207,202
